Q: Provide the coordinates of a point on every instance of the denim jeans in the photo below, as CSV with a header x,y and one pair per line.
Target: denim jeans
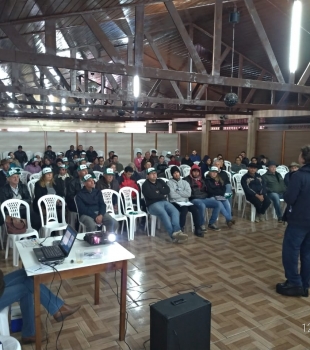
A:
x,y
19,287
296,243
168,214
202,204
275,198
225,209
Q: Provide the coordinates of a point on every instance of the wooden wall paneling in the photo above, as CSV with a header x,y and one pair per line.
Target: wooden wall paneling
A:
x,y
183,143
237,142
217,143
60,141
121,145
96,139
30,141
269,143
167,142
294,140
194,142
143,141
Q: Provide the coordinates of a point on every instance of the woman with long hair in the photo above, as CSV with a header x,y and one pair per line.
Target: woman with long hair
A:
x,y
216,189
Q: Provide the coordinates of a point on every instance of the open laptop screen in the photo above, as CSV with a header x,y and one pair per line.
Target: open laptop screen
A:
x,y
67,240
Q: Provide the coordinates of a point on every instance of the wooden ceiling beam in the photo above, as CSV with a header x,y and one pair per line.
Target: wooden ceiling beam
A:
x,y
139,35
217,38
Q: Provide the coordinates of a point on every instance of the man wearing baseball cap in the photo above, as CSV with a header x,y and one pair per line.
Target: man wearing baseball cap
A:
x,y
92,209
155,192
177,155
75,186
15,189
108,181
254,188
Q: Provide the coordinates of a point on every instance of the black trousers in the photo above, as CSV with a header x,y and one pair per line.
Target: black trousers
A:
x,y
261,207
183,212
34,218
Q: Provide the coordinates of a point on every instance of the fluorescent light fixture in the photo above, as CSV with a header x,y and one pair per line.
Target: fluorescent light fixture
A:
x,y
93,131
136,86
295,35
63,108
19,129
125,40
80,130
51,98
63,100
11,105
16,111
86,110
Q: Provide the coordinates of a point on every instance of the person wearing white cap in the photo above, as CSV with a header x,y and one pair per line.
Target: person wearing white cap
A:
x,y
62,180
108,181
75,186
177,155
167,158
92,209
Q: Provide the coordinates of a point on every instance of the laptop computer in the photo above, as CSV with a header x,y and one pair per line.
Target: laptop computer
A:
x,y
57,252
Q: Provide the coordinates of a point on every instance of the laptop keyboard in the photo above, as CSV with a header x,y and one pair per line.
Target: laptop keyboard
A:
x,y
52,252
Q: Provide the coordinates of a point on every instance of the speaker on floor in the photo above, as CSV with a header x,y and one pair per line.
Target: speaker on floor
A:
x,y
182,322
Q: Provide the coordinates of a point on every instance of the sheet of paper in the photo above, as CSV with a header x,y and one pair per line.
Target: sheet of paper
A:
x,y
181,204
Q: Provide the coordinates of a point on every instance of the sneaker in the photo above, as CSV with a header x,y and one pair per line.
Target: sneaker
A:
x,y
257,218
280,220
214,227
203,228
199,232
179,236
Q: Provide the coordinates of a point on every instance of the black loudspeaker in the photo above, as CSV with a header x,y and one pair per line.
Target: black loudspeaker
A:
x,y
182,322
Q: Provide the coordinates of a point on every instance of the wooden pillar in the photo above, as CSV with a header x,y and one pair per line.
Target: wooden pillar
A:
x,y
253,125
172,127
205,134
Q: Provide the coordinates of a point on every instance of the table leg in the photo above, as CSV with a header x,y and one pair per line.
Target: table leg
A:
x,y
123,301
97,283
37,313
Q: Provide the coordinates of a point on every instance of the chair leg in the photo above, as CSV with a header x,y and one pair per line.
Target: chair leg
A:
x,y
1,237
147,225
15,253
126,226
7,247
153,225
122,227
253,213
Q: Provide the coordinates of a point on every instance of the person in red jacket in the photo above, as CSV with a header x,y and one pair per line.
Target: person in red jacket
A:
x,y
126,180
173,161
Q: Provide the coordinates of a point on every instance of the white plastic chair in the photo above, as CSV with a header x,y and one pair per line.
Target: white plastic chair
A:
x,y
243,171
97,174
205,174
228,174
82,227
4,321
186,171
107,198
100,153
39,153
184,166
10,343
5,154
264,167
36,176
128,207
164,179
168,173
51,223
29,154
197,162
282,172
30,186
283,167
12,206
121,172
261,172
227,165
24,176
239,193
253,210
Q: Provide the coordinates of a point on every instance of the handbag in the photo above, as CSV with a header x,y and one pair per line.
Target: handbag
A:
x,y
15,225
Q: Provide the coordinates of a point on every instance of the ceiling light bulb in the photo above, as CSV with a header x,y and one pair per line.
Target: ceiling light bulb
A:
x,y
63,100
295,35
136,86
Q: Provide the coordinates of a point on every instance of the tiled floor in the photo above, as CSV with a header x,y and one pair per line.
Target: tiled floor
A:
x,y
235,269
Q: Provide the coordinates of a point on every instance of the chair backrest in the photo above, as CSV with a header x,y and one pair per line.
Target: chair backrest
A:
x,y
282,172
227,165
284,167
38,153
24,176
186,171
29,154
50,203
36,176
120,173
264,167
30,186
107,195
126,199
197,162
237,181
261,172
100,153
164,179
168,173
77,209
243,171
13,208
205,174
97,174
229,175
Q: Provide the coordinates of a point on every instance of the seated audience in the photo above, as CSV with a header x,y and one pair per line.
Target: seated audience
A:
x,y
173,161
147,158
195,157
49,153
224,176
154,156
177,155
110,158
62,181
82,162
108,181
205,164
100,166
244,160
167,158
70,153
275,187
180,191
21,156
16,286
255,191
75,186
262,160
143,173
14,161
155,192
15,189
91,154
5,167
83,155
216,190
199,197
113,167
33,166
69,165
136,176
46,163
94,163
92,209
255,161
160,167
237,166
187,161
59,155
293,167
79,151
138,161
119,166
10,160
126,180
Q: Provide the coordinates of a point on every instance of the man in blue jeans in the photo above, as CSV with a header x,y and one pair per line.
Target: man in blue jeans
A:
x,y
199,198
296,242
155,192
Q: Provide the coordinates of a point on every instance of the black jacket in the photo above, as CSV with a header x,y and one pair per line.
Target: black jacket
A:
x,y
50,154
155,192
62,185
21,156
39,192
70,154
245,161
7,193
73,188
2,179
160,168
90,202
298,199
197,193
214,188
187,161
223,175
253,185
102,184
91,155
